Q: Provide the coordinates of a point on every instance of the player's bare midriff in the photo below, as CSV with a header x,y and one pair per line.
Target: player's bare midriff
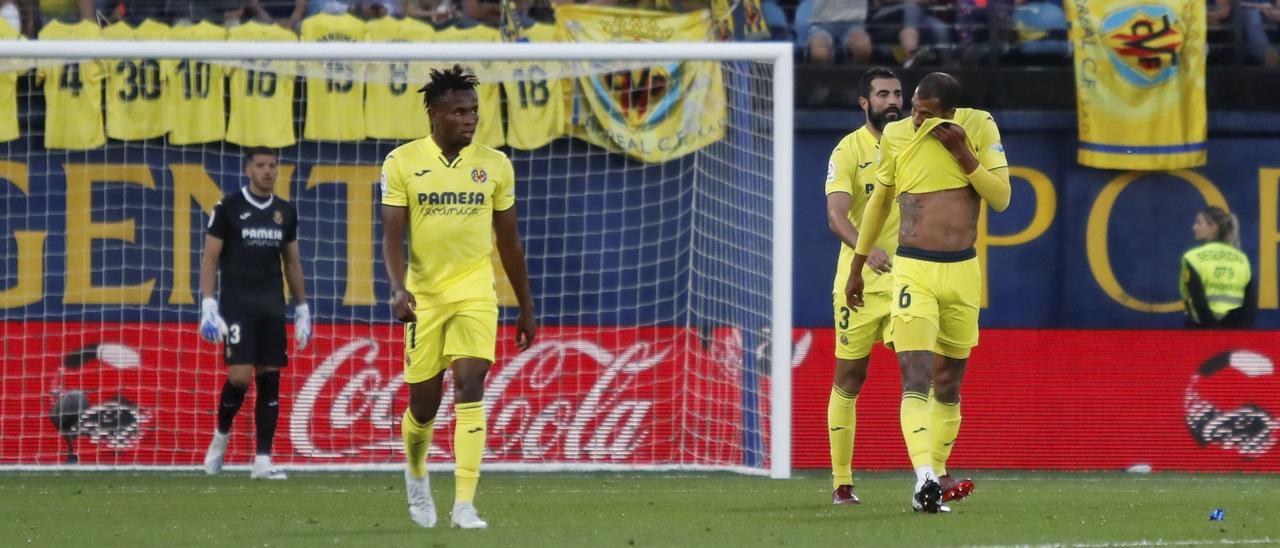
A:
x,y
946,220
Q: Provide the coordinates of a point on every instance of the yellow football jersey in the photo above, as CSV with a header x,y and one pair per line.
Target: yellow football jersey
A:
x,y
913,160
489,130
852,170
196,88
261,92
393,107
72,92
335,93
135,87
535,102
450,216
9,91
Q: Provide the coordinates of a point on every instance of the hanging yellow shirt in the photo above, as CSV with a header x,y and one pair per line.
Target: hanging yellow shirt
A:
x,y
72,93
450,216
393,107
913,160
135,87
535,100
9,91
335,94
196,88
262,92
489,130
852,170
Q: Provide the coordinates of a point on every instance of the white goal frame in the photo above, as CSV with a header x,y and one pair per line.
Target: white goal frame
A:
x,y
777,54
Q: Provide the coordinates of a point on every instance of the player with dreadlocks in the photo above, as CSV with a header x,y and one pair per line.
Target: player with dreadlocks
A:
x,y
453,196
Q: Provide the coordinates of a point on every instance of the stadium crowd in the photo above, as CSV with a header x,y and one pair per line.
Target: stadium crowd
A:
x,y
902,32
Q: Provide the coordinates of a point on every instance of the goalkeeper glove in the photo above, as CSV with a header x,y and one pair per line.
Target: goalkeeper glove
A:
x,y
302,325
212,328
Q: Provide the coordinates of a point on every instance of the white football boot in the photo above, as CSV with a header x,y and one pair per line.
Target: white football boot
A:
x,y
465,516
422,510
262,469
214,454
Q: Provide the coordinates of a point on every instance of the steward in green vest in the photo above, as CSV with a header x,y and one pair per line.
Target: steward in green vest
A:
x,y
1217,283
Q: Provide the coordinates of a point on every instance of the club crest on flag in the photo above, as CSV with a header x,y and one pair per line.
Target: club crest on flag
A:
x,y
1143,43
478,175
640,98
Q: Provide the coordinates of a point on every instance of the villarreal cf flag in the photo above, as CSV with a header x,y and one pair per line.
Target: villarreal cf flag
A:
x,y
1140,82
650,111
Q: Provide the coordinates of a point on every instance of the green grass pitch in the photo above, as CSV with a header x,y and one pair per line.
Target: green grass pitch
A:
x,y
325,509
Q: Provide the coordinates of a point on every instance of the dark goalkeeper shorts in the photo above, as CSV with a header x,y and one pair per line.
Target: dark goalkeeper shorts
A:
x,y
256,340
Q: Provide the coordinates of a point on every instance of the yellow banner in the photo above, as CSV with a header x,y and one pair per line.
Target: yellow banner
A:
x,y
1140,82
652,113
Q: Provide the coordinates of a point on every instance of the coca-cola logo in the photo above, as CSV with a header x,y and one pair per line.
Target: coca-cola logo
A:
x,y
605,423
360,415
564,399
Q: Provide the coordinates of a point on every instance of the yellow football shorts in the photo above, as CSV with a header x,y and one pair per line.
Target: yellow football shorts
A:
x,y
935,301
444,333
857,331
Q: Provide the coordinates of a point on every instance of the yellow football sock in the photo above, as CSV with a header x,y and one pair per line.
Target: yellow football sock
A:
x,y
915,428
417,441
945,424
468,447
842,417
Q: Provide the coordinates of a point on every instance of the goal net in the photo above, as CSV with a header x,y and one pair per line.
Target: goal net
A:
x,y
654,195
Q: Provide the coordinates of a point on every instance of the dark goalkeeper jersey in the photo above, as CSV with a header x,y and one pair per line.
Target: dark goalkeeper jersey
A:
x,y
254,233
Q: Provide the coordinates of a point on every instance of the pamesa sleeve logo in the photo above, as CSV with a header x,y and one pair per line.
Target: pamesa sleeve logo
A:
x,y
1144,43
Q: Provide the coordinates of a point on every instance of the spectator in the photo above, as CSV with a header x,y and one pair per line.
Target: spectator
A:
x,y
69,11
1042,29
909,16
1217,286
436,12
776,18
287,13
373,9
1257,17
838,24
187,11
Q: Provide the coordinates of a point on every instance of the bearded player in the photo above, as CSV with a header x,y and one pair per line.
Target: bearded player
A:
x,y
850,180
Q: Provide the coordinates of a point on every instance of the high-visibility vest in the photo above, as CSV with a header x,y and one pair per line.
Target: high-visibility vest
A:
x,y
1224,272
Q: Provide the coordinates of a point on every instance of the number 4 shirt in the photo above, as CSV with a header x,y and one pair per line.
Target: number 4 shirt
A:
x,y
72,93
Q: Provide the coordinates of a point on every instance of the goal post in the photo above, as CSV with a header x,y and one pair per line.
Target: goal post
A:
x,y
666,283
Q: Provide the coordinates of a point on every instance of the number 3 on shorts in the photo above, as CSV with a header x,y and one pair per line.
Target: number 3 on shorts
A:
x,y
904,298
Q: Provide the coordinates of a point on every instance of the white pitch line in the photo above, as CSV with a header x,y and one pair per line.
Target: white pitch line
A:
x,y
1157,542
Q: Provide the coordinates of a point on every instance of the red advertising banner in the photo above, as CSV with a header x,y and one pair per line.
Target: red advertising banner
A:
x,y
145,394
1072,400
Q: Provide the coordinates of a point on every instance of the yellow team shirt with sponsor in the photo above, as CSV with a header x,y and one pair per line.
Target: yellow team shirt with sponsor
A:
x,y
450,207
72,92
852,170
913,160
393,107
489,130
535,102
196,87
136,90
261,92
9,89
335,90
